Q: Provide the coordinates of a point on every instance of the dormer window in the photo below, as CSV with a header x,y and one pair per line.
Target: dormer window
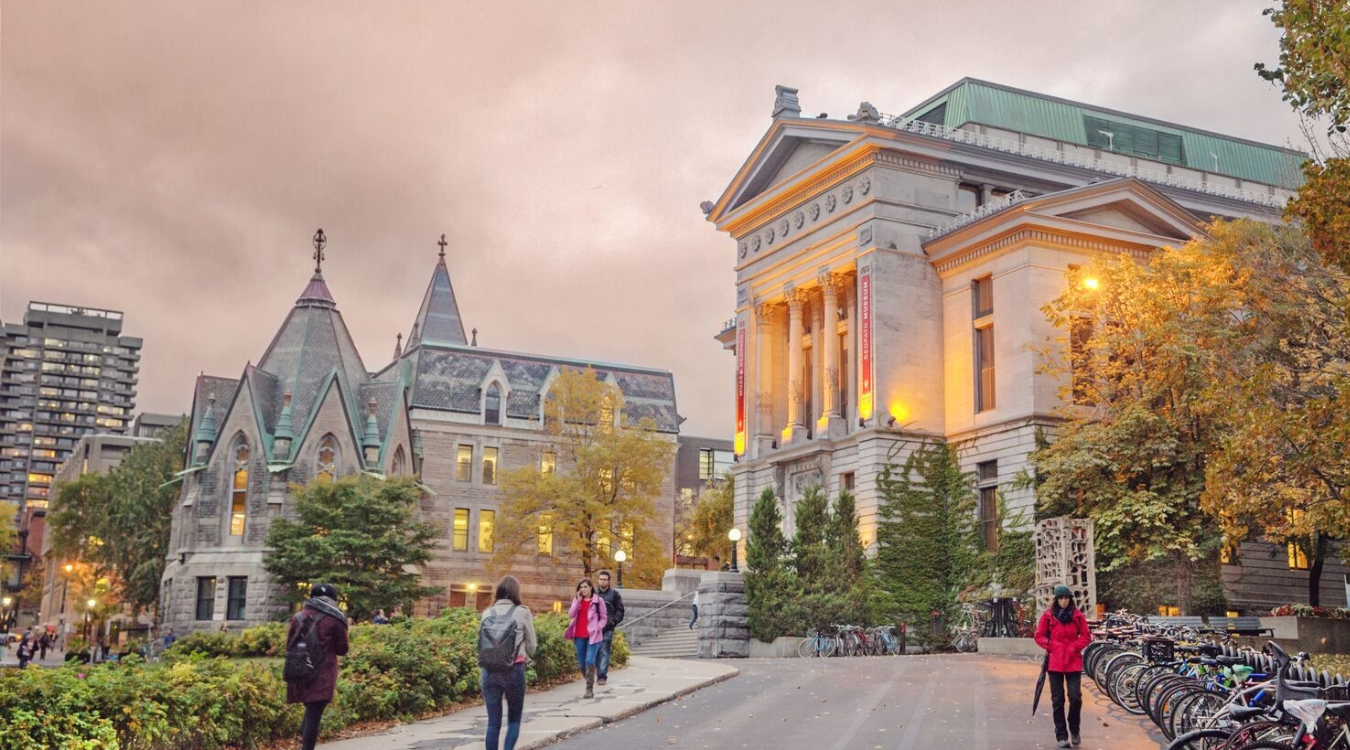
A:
x,y
492,405
327,460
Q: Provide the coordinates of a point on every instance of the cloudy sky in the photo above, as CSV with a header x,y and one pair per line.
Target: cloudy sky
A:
x,y
172,160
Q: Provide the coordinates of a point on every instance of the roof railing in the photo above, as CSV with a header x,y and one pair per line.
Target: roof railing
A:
x,y
992,207
1069,158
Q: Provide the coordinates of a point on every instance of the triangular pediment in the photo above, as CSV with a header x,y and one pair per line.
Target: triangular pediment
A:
x,y
789,148
1125,204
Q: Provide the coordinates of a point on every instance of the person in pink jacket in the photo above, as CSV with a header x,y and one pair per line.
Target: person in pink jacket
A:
x,y
587,630
1063,632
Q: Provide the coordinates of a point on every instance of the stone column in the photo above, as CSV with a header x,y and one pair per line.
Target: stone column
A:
x,y
832,418
818,364
765,430
723,616
795,425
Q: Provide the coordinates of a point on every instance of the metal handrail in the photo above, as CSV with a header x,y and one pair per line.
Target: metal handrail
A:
x,y
654,611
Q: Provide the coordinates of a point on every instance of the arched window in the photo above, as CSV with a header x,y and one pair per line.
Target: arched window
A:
x,y
492,405
327,463
239,488
399,467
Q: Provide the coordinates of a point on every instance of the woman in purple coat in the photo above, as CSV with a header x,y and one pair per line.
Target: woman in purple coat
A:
x,y
332,636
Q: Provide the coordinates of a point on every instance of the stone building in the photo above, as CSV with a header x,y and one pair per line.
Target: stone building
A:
x,y
444,409
890,273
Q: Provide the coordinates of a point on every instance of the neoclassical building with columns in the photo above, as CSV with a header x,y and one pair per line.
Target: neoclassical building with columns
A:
x,y
890,273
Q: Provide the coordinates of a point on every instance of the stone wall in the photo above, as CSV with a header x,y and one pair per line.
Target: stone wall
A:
x,y
644,616
723,616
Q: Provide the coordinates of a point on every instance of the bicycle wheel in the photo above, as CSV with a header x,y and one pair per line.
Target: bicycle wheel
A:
x,y
807,648
1122,688
1267,745
1201,739
1188,714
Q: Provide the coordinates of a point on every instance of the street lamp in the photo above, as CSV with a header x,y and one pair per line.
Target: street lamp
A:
x,y
735,536
619,557
87,614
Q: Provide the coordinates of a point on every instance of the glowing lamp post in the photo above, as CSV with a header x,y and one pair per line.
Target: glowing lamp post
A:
x,y
735,536
4,611
88,613
619,557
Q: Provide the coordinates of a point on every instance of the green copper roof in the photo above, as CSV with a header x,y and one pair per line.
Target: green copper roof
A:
x,y
974,101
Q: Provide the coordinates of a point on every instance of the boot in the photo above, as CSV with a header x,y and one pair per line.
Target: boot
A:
x,y
590,682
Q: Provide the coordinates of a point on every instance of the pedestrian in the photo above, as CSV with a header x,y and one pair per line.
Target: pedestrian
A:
x,y
331,635
169,639
1063,632
614,607
509,683
587,630
102,647
380,618
694,606
26,647
44,643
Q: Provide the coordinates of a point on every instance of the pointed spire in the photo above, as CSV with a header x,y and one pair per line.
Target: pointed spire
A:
x,y
319,242
442,243
438,320
398,345
316,293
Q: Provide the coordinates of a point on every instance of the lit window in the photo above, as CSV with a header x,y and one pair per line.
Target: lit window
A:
x,y
489,466
546,534
492,405
464,465
607,414
1298,559
548,465
982,298
327,466
606,481
239,489
486,520
461,535
705,464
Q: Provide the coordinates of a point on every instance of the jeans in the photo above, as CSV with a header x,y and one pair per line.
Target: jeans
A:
x,y
1057,683
693,619
309,728
586,653
510,685
602,657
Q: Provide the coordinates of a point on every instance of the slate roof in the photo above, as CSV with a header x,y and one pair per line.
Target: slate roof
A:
x,y
438,320
208,387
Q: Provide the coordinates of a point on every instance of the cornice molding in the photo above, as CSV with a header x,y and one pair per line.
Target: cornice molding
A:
x,y
1058,240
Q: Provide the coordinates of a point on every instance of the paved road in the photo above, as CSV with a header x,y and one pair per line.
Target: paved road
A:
x,y
869,703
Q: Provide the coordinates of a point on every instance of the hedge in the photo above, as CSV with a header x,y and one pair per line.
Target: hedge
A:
x,y
217,690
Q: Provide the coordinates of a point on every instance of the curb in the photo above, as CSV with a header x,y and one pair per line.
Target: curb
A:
x,y
628,712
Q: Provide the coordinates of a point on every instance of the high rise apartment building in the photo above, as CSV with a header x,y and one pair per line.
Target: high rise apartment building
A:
x,y
67,371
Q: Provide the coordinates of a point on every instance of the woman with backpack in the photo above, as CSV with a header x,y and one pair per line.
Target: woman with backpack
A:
x,y
504,616
316,638
586,630
1063,633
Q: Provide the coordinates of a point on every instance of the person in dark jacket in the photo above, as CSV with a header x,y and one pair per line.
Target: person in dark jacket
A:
x,y
1063,632
332,636
614,602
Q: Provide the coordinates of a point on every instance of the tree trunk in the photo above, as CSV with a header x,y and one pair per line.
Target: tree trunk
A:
x,y
1317,551
1185,571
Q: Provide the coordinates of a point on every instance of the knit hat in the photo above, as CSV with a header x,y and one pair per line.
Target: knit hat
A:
x,y
1062,590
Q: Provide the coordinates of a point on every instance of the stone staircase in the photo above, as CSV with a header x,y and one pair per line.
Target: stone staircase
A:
x,y
671,643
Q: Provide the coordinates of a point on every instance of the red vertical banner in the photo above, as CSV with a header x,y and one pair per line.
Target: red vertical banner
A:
x,y
740,388
865,398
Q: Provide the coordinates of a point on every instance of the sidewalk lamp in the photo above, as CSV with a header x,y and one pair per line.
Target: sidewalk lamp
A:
x,y
4,611
735,536
619,557
88,613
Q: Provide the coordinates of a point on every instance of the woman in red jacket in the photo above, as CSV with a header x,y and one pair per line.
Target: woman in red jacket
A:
x,y
1063,631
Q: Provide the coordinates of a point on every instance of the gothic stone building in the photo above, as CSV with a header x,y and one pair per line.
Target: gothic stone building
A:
x,y
444,409
890,273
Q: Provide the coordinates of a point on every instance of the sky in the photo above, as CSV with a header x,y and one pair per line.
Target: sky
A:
x,y
172,160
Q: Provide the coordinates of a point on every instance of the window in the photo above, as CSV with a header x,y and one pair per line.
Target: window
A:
x,y
546,534
607,414
1298,559
487,519
206,598
687,497
982,307
327,465
461,531
982,294
987,477
399,466
713,464
489,466
1134,140
239,488
548,464
464,467
237,597
492,405
846,481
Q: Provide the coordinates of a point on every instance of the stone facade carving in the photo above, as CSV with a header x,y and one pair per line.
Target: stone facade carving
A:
x,y
829,204
865,185
814,211
1065,555
847,194
799,219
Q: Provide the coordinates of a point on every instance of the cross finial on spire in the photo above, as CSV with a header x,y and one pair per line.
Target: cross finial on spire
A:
x,y
442,243
319,242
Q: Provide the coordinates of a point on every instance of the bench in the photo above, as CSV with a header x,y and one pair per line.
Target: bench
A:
x,y
1240,625
1189,621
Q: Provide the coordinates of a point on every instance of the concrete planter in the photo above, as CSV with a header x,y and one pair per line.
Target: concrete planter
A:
x,y
783,647
1316,635
1010,646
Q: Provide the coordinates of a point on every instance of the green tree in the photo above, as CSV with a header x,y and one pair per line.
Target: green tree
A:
x,y
811,556
712,518
928,542
610,471
359,534
770,587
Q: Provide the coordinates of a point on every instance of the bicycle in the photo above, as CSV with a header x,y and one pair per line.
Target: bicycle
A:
x,y
816,644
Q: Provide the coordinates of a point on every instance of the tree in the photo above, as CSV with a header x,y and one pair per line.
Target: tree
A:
x,y
610,470
357,533
119,522
771,589
810,555
928,542
712,517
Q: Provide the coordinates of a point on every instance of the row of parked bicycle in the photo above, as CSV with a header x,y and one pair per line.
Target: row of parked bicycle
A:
x,y
1204,693
852,640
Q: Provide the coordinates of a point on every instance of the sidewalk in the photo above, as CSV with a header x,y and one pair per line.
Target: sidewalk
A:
x,y
558,712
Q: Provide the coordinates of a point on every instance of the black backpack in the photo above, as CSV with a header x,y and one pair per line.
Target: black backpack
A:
x,y
304,655
497,641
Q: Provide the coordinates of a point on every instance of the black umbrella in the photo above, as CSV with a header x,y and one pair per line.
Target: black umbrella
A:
x,y
1040,683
